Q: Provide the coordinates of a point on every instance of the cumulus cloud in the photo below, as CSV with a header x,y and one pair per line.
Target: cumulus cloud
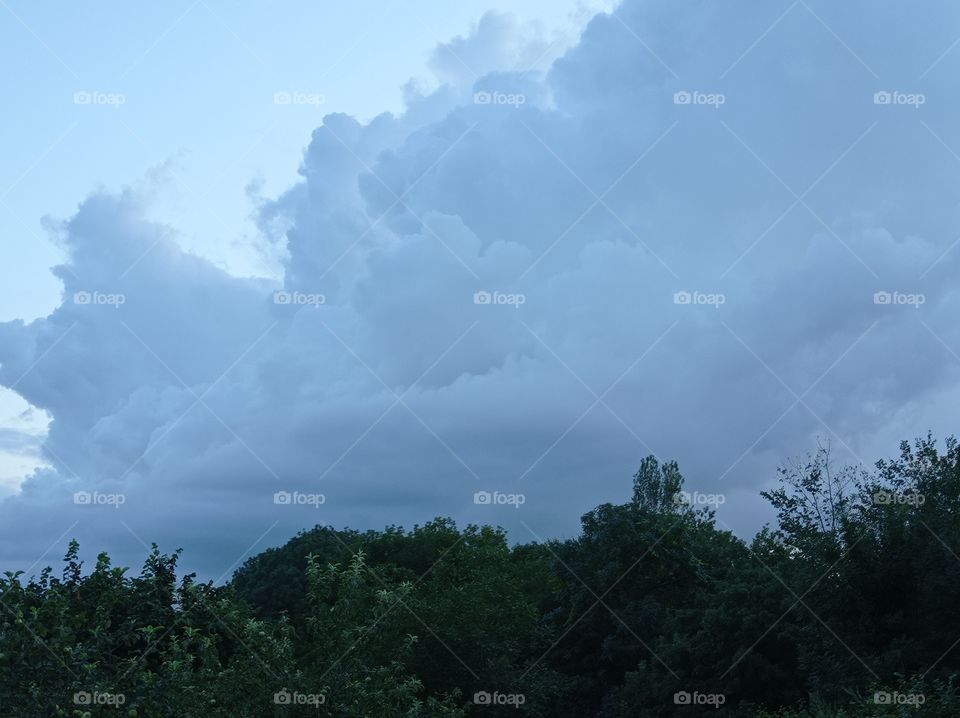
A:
x,y
708,231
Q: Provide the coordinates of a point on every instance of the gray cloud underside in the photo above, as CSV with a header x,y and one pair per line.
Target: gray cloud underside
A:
x,y
597,199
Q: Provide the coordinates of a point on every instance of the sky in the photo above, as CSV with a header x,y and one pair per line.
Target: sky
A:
x,y
268,267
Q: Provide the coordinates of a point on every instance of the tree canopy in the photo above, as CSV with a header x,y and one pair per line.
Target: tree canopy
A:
x,y
844,607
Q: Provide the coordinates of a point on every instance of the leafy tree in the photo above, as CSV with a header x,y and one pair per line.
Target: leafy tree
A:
x,y
846,607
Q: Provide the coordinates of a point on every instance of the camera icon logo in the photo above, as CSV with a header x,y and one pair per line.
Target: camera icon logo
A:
x,y
482,297
882,498
82,297
482,498
282,297
283,698
82,498
82,98
882,297
682,297
882,98
682,98
82,698
282,498
682,698
482,698
482,98
282,98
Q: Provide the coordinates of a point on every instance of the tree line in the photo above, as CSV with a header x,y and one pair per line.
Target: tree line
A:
x,y
846,606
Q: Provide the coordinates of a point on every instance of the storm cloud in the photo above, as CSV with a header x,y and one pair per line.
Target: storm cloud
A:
x,y
716,232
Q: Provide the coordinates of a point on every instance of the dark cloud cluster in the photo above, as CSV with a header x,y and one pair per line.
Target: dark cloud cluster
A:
x,y
709,231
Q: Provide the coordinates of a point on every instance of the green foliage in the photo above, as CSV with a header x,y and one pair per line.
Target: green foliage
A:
x,y
655,487
98,643
845,608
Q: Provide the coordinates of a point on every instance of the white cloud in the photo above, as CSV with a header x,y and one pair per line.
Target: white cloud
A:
x,y
597,199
